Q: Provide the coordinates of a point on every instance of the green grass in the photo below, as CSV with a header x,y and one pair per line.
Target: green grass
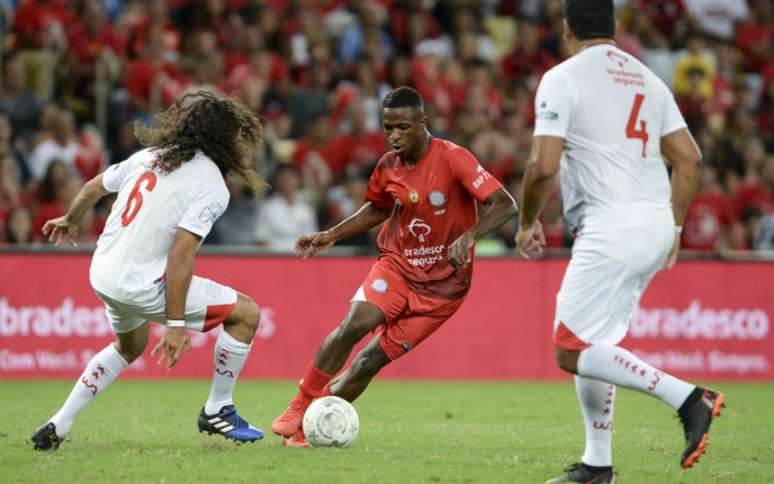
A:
x,y
141,431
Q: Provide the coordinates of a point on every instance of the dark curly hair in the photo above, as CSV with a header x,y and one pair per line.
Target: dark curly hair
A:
x,y
225,130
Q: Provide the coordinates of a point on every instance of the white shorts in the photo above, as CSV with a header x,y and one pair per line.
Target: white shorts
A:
x,y
603,283
207,305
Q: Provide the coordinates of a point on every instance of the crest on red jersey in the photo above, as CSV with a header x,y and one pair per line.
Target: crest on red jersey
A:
x,y
436,198
413,196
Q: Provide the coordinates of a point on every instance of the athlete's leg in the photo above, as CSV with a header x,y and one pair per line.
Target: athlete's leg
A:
x,y
597,400
425,316
231,351
351,384
100,372
620,367
362,318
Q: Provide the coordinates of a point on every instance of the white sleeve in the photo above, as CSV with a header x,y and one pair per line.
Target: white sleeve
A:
x,y
114,175
209,203
554,102
673,118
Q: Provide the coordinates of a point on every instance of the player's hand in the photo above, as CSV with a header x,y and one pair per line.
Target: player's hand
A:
x,y
530,240
172,345
672,259
61,228
461,250
309,245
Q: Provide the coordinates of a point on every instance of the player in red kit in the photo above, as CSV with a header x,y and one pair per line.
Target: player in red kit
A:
x,y
426,189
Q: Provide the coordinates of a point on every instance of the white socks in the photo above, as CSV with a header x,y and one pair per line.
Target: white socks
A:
x,y
229,357
103,368
596,400
617,366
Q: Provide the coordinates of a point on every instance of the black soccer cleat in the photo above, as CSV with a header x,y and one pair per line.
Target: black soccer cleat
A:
x,y
45,438
696,414
229,424
580,472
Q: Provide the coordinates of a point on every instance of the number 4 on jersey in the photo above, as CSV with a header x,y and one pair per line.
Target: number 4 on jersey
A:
x,y
134,202
631,126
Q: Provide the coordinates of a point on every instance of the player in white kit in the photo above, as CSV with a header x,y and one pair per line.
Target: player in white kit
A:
x,y
168,197
603,122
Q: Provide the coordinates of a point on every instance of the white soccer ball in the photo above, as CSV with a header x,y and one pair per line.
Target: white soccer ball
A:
x,y
330,422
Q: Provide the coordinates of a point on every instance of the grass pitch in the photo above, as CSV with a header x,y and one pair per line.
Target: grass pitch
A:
x,y
142,431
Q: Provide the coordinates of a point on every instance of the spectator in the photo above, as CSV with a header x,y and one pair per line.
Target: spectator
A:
x,y
17,101
92,40
151,82
52,195
237,226
18,229
360,148
755,36
61,146
344,200
316,155
285,216
695,60
708,222
757,187
717,17
10,191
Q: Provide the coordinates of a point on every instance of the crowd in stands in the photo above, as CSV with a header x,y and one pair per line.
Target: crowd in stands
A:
x,y
76,75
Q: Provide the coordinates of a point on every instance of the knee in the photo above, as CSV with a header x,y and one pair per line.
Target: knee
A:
x,y
247,314
368,363
252,318
567,360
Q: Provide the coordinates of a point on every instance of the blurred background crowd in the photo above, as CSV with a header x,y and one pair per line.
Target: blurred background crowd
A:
x,y
76,75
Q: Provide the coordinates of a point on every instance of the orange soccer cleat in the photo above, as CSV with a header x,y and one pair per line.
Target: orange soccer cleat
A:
x,y
298,439
289,422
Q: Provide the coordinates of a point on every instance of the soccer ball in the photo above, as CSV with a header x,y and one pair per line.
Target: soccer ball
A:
x,y
330,422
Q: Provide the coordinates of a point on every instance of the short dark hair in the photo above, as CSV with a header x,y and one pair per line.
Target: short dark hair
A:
x,y
590,19
403,97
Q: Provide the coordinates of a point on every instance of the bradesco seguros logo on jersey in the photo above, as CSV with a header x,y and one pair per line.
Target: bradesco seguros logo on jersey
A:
x,y
424,255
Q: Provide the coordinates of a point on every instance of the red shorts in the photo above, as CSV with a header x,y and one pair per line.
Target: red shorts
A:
x,y
409,317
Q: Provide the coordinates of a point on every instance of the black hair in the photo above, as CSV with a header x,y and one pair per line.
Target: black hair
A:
x,y
404,97
590,19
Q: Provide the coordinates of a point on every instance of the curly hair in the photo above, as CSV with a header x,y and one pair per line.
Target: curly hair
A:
x,y
226,131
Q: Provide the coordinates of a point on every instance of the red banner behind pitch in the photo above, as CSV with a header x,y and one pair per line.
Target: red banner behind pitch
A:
x,y
701,320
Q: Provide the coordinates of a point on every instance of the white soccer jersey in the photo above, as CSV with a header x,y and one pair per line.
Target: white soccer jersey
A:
x,y
132,251
612,112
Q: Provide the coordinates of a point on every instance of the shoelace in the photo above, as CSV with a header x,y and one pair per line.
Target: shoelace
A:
x,y
234,419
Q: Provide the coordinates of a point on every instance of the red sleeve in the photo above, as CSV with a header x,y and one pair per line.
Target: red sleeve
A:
x,y
375,191
472,176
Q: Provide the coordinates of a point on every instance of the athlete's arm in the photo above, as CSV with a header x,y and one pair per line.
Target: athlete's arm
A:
x,y
180,266
499,207
368,217
683,154
537,185
66,226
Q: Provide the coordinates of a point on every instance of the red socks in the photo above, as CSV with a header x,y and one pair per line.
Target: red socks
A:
x,y
313,385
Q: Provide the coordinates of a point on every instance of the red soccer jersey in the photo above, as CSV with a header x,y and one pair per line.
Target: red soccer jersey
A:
x,y
434,202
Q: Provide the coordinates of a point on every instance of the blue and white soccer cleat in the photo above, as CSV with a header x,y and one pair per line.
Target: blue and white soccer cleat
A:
x,y
229,424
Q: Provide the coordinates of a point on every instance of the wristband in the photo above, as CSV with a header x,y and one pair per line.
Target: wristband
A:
x,y
175,323
678,229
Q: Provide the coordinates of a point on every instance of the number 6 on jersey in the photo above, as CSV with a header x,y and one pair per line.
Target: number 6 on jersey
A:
x,y
134,202
631,126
